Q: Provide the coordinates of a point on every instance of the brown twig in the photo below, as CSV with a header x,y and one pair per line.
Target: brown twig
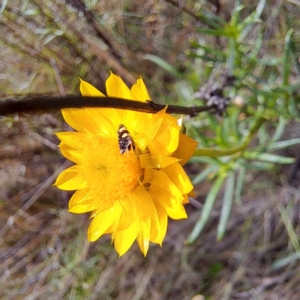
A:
x,y
46,103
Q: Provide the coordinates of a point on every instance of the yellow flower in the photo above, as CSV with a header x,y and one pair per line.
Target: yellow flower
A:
x,y
130,195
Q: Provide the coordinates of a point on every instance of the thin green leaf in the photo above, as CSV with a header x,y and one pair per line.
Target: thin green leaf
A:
x,y
293,107
231,55
206,160
259,166
279,129
236,14
24,8
163,64
225,132
286,57
267,157
295,56
256,48
233,115
48,39
211,19
282,262
204,57
284,212
281,144
247,24
262,135
227,204
204,174
240,184
208,49
3,6
270,61
246,27
260,8
214,32
207,208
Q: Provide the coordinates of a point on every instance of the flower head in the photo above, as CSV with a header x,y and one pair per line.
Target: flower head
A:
x,y
128,167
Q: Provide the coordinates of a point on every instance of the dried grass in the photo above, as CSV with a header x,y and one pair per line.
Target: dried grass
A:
x,y
44,253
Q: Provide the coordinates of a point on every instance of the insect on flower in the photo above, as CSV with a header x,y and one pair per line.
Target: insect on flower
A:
x,y
124,139
131,198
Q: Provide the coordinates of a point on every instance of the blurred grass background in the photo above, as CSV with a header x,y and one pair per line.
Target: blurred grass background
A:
x,y
243,226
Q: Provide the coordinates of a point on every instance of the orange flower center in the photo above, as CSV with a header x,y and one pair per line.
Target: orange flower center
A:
x,y
109,174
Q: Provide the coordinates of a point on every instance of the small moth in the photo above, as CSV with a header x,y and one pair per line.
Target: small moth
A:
x,y
124,139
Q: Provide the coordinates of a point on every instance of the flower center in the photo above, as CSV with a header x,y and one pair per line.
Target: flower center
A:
x,y
109,174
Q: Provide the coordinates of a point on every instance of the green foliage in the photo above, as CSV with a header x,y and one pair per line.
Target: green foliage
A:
x,y
248,134
264,82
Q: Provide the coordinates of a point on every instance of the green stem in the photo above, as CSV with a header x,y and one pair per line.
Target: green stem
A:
x,y
226,152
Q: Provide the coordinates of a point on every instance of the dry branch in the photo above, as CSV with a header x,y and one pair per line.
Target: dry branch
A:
x,y
44,103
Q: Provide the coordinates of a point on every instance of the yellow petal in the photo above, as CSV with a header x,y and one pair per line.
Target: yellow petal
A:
x,y
160,179
176,213
70,153
163,221
167,138
102,221
129,119
78,197
185,149
72,145
143,237
70,179
73,139
82,202
145,216
121,223
146,127
155,162
192,193
178,176
124,239
162,190
92,121
186,199
115,87
81,120
106,114
173,207
139,91
87,206
87,89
